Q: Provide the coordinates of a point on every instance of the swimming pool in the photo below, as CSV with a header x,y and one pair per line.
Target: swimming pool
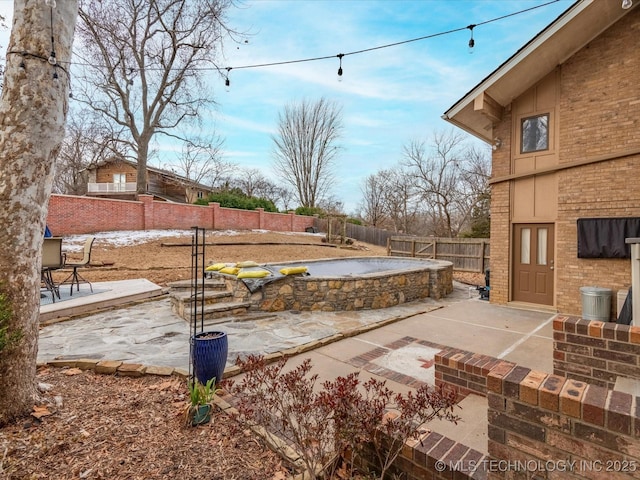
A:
x,y
351,283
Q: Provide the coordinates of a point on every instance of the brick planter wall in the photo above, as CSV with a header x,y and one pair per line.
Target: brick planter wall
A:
x,y
466,372
547,426
595,352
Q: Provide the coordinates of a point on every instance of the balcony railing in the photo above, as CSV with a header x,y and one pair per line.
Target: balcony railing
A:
x,y
111,187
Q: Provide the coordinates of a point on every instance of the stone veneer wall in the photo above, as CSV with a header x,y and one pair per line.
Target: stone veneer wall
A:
x,y
369,291
540,424
595,352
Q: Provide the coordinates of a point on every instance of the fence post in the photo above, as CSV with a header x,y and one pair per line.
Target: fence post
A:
x,y
388,246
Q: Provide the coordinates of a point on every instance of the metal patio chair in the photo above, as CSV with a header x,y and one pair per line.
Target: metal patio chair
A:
x,y
74,277
52,259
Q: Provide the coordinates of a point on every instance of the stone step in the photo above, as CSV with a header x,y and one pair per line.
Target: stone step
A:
x,y
216,313
210,296
182,302
209,284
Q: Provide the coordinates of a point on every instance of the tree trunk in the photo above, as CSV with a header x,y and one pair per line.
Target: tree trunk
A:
x,y
143,155
33,108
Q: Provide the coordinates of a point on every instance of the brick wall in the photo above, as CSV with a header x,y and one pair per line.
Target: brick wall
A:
x,y
598,114
435,457
595,352
70,215
466,372
547,426
79,215
500,215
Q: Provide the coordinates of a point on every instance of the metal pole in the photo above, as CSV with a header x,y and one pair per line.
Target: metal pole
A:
x,y
635,278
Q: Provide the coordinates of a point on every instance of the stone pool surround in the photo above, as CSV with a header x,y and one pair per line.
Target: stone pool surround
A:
x,y
341,293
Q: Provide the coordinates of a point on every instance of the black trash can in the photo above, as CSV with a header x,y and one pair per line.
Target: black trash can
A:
x,y
484,291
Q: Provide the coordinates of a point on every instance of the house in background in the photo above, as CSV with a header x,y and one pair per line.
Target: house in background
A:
x,y
116,178
563,116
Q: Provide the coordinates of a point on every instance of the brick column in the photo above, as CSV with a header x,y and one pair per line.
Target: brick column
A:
x,y
215,210
261,223
147,211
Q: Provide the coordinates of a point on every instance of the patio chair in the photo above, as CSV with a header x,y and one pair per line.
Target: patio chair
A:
x,y
74,277
52,259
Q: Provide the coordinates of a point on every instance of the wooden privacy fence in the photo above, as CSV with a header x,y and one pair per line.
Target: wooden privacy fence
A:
x,y
466,254
338,227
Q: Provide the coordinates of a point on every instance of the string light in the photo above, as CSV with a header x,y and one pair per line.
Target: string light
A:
x,y
472,42
52,58
340,55
627,4
227,82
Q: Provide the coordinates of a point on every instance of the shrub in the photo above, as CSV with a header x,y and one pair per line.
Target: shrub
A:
x,y
309,211
235,199
337,426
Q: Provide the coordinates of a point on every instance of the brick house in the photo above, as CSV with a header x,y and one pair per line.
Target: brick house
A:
x,y
563,116
116,178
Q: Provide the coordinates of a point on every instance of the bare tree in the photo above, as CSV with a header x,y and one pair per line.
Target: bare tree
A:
x,y
399,200
144,62
201,163
306,147
253,183
87,141
439,177
33,108
373,191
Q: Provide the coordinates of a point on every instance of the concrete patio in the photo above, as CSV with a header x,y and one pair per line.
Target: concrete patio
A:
x,y
397,344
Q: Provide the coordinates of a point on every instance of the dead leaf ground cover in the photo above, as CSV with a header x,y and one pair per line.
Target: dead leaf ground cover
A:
x,y
105,427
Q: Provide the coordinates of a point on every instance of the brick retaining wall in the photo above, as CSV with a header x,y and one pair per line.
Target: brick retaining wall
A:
x,y
70,215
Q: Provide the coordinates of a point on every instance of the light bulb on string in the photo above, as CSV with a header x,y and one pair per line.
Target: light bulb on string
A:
x,y
340,55
472,42
50,3
52,58
627,4
227,82
55,78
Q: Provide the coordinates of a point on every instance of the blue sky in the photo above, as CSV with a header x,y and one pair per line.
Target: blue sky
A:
x,y
388,96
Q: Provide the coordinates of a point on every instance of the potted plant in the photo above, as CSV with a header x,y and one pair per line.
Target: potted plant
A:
x,y
198,410
209,355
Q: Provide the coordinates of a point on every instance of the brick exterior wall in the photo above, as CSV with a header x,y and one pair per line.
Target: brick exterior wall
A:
x,y
595,352
598,114
70,215
546,426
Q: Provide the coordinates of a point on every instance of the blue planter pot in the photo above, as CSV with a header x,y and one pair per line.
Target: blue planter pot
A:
x,y
209,355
